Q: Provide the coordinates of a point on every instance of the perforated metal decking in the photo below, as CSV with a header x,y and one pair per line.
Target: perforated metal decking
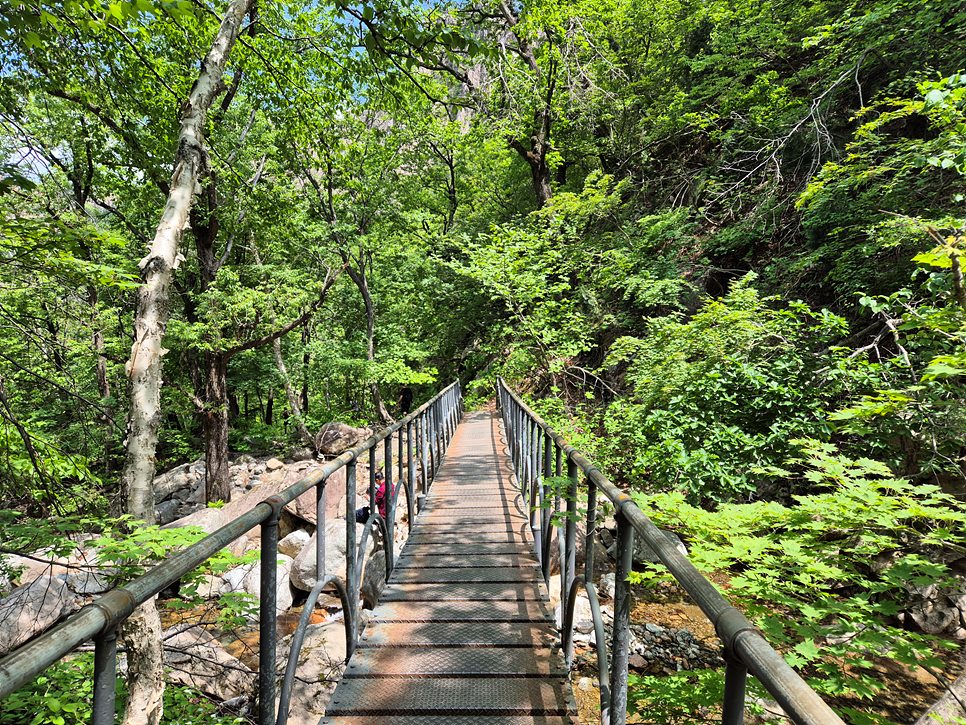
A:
x,y
462,633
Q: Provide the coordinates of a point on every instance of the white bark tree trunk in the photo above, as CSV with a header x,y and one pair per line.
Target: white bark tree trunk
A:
x,y
143,631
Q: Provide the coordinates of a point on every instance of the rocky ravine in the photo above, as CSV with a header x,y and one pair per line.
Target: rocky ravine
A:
x,y
203,651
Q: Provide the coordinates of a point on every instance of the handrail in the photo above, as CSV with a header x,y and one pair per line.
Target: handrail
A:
x,y
538,452
428,432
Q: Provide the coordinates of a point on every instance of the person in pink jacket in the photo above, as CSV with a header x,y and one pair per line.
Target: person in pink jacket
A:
x,y
382,500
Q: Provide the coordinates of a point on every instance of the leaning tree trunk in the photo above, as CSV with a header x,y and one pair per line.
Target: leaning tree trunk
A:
x,y
215,424
290,393
359,277
142,632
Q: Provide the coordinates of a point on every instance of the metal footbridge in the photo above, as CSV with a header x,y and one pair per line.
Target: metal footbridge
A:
x,y
462,632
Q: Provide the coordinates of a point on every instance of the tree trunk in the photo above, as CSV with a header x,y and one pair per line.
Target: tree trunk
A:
x,y
306,363
270,407
359,277
143,630
293,400
215,418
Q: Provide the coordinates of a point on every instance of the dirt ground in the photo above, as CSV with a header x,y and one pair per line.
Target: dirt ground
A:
x,y
906,693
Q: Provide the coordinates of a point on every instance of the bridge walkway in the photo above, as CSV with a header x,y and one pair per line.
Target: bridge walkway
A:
x,y
462,632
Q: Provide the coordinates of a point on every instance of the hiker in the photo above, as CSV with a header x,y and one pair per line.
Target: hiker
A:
x,y
382,500
405,401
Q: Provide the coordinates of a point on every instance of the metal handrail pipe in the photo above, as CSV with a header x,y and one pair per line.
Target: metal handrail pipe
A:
x,y
107,611
738,634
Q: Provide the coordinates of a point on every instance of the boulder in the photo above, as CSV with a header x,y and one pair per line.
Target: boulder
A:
x,y
211,587
321,662
293,544
373,579
35,566
607,586
273,482
335,438
273,464
934,617
33,608
208,519
303,569
167,511
583,621
185,483
247,578
88,582
302,454
643,554
196,659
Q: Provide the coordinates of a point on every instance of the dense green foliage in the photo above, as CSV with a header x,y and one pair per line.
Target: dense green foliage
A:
x,y
63,695
696,232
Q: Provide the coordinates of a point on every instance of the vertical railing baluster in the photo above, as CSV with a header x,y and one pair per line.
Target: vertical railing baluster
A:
x,y
372,479
423,453
622,618
350,544
267,614
569,564
431,443
390,502
591,530
536,487
320,530
399,456
411,468
736,676
105,677
547,511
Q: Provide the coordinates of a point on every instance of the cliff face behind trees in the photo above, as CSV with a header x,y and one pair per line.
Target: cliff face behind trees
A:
x,y
718,244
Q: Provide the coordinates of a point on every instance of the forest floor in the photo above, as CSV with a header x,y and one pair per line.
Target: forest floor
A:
x,y
905,695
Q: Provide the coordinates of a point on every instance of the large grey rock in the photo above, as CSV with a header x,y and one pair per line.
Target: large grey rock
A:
x,y
185,483
35,566
373,579
303,569
88,582
247,578
196,659
302,454
335,438
33,608
321,662
208,519
167,511
643,554
293,544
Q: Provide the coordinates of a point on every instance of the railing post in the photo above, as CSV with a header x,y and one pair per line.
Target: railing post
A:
x,y
536,493
372,479
105,677
390,500
431,442
267,614
350,541
589,533
423,453
622,618
320,530
568,565
411,468
736,675
546,511
399,455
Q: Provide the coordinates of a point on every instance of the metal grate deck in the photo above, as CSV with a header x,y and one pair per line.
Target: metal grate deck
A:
x,y
462,633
